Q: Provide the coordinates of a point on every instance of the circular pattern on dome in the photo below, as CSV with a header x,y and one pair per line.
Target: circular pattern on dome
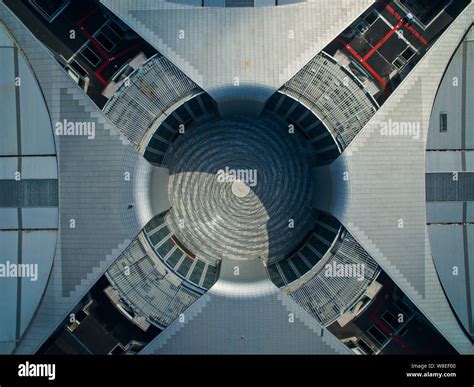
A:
x,y
237,187
240,188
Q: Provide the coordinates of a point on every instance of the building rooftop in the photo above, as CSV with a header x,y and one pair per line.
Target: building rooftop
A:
x,y
28,193
353,114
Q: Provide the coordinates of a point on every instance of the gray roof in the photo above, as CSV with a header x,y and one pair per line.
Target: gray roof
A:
x,y
387,184
92,190
278,40
245,314
450,208
454,100
28,207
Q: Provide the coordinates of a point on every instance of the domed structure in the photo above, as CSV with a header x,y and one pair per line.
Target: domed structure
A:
x,y
236,177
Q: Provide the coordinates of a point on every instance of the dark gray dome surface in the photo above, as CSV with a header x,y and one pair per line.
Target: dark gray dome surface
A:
x,y
216,217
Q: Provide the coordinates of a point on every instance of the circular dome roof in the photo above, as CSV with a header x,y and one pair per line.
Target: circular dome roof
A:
x,y
241,189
